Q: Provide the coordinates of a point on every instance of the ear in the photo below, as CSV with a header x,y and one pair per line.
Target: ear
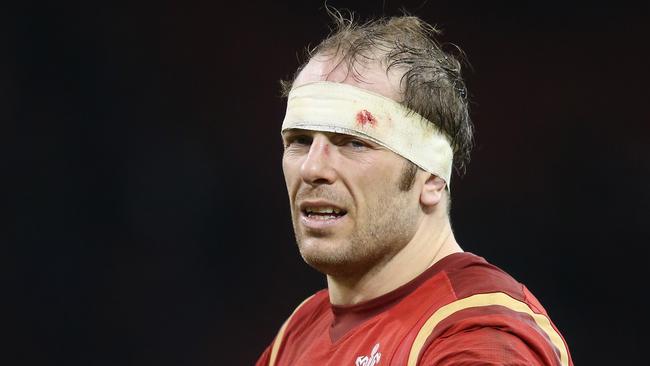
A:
x,y
432,191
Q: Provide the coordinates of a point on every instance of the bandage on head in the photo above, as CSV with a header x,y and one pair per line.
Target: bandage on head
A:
x,y
343,108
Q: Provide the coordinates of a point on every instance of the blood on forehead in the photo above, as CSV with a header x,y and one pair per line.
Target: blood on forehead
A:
x,y
364,118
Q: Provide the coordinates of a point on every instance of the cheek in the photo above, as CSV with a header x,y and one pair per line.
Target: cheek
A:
x,y
291,170
379,177
367,187
376,186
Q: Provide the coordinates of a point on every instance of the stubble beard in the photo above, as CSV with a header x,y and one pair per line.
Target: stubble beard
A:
x,y
387,226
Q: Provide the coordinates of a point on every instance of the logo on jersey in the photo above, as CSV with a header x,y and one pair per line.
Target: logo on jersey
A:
x,y
371,360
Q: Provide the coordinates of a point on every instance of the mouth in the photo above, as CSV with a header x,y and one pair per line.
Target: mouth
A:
x,y
321,214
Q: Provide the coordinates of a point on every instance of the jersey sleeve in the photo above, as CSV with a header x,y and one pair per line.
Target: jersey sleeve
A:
x,y
493,335
484,346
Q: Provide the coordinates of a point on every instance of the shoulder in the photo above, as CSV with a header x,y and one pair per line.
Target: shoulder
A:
x,y
301,317
310,308
492,326
491,315
485,346
305,313
470,274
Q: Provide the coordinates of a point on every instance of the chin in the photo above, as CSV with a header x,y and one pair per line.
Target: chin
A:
x,y
327,258
334,261
329,267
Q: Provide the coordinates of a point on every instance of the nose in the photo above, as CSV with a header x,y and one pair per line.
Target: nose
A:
x,y
317,167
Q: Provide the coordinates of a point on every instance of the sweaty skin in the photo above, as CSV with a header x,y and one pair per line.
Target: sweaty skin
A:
x,y
379,237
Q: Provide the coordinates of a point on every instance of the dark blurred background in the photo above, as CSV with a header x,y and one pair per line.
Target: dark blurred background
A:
x,y
147,219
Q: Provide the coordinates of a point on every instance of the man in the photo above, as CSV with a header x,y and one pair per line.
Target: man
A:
x,y
375,120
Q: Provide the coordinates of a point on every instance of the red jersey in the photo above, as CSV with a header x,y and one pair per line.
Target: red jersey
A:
x,y
460,311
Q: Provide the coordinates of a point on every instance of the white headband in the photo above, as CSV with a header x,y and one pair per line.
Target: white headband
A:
x,y
343,108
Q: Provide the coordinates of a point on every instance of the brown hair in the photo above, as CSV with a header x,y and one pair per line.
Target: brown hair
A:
x,y
431,83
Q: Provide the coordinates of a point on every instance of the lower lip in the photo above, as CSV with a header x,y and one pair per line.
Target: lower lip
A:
x,y
321,223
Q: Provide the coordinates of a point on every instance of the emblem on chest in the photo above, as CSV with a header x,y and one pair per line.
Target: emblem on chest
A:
x,y
371,360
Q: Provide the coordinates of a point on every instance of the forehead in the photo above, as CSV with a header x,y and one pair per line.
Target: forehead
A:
x,y
371,76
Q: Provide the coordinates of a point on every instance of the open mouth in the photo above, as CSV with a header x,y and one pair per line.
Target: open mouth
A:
x,y
323,213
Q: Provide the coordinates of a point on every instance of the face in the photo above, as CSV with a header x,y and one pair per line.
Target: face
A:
x,y
349,213
352,207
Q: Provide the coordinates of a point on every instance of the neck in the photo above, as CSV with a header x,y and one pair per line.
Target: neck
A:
x,y
430,243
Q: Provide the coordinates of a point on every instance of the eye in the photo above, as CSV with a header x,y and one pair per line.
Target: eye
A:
x,y
297,140
354,144
357,144
350,142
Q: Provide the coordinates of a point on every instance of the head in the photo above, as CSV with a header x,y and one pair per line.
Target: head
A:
x,y
423,75
354,202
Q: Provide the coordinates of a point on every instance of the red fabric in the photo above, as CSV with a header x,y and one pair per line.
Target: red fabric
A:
x,y
495,333
381,331
482,346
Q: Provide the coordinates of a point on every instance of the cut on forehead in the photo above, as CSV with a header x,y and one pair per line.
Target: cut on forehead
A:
x,y
370,75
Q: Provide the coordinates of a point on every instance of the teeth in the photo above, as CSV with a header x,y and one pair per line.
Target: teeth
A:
x,y
323,210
